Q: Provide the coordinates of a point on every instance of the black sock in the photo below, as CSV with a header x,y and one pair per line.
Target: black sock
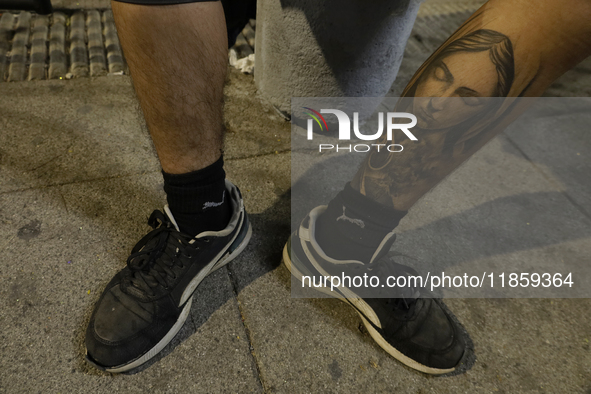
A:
x,y
199,200
353,226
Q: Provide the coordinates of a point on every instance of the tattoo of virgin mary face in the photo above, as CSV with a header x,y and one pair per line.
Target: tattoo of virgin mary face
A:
x,y
469,69
449,93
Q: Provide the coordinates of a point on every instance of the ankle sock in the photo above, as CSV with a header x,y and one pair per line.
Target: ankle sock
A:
x,y
199,200
353,226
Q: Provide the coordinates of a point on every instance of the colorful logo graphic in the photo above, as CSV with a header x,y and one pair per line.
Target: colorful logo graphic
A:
x,y
316,119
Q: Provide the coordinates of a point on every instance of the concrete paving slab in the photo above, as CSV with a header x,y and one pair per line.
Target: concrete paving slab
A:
x,y
498,213
574,83
253,128
264,182
564,158
58,132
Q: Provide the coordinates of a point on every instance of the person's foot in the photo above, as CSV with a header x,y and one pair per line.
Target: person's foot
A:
x,y
419,332
146,304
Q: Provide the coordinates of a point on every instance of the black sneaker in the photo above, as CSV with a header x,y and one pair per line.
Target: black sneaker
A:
x,y
146,303
419,332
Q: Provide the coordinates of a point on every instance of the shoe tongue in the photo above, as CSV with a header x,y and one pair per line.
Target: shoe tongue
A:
x,y
384,247
405,303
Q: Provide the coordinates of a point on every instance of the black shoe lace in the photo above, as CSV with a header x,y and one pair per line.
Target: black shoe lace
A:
x,y
154,257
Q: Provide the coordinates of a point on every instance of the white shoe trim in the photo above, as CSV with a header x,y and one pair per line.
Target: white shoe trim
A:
x,y
348,293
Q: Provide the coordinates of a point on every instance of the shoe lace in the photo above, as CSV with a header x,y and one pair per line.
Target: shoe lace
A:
x,y
153,258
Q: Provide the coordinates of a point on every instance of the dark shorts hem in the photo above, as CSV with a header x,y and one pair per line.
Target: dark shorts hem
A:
x,y
163,2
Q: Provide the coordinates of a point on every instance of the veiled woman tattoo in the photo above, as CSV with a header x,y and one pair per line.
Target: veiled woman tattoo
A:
x,y
455,97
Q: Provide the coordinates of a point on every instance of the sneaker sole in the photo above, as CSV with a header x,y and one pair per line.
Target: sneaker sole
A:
x,y
236,247
361,305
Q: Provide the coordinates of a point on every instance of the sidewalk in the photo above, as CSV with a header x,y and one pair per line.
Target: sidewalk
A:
x,y
79,178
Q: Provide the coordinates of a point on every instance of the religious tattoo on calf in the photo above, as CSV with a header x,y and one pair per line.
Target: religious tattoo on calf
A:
x,y
457,99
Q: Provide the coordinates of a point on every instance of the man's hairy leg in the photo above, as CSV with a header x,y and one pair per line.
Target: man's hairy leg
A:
x,y
177,55
532,44
178,58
